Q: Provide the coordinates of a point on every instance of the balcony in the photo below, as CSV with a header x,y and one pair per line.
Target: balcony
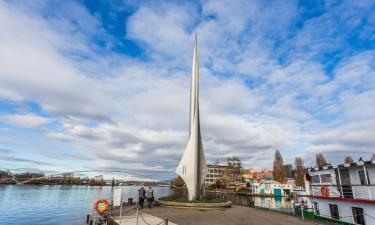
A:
x,y
360,192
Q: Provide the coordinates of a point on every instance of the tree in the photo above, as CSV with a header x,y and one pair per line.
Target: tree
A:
x,y
218,183
179,182
300,171
320,160
348,159
235,168
277,173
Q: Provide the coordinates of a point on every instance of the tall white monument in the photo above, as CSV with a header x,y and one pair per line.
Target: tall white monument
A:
x,y
192,167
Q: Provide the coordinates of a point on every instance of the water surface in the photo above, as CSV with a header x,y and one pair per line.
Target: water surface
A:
x,y
56,204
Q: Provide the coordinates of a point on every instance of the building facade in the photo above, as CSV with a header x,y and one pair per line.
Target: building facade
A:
x,y
214,173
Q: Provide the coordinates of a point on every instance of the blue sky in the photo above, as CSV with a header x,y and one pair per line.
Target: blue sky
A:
x,y
105,84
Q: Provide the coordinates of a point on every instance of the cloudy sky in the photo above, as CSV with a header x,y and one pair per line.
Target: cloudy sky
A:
x,y
105,84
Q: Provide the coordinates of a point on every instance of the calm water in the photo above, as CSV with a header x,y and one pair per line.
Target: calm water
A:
x,y
280,203
56,205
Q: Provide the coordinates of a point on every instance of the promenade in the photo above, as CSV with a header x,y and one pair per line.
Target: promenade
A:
x,y
236,215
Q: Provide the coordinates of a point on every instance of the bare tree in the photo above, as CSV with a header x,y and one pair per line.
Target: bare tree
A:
x,y
277,172
300,171
348,159
320,160
179,182
235,168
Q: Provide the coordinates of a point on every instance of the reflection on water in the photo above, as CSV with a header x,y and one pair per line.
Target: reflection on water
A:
x,y
273,203
281,203
56,204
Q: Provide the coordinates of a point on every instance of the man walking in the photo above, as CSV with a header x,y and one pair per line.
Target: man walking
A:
x,y
142,196
150,197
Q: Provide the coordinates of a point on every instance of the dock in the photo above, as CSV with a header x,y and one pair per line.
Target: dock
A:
x,y
236,215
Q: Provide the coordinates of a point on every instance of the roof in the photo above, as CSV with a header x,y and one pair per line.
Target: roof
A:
x,y
344,165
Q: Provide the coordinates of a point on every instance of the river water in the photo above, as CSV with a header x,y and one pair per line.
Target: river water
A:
x,y
56,204
69,205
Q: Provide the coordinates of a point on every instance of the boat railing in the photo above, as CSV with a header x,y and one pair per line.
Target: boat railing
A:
x,y
354,191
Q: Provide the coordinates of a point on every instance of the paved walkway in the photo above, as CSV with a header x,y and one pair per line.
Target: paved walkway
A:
x,y
130,218
236,215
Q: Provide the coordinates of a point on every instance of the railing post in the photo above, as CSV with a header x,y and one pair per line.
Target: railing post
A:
x,y
368,187
137,214
342,192
312,189
120,212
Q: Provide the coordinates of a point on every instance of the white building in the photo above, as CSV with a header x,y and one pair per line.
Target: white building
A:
x,y
343,193
271,187
214,172
99,178
254,186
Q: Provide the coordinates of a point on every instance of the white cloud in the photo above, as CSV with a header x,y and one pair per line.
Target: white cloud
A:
x,y
133,113
26,120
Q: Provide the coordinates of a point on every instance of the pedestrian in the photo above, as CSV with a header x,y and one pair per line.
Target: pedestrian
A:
x,y
142,196
150,197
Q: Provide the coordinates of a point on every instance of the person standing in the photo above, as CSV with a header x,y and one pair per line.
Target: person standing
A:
x,y
142,196
150,197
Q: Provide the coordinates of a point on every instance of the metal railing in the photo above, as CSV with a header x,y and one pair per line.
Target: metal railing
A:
x,y
363,192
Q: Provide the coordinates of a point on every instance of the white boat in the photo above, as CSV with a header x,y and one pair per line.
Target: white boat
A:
x,y
343,194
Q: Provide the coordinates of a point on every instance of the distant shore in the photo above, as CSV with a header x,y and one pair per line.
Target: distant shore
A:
x,y
42,182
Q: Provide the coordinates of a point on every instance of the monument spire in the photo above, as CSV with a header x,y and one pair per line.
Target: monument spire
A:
x,y
192,167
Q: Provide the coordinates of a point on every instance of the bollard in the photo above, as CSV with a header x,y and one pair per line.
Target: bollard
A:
x,y
87,219
137,214
130,201
91,222
166,221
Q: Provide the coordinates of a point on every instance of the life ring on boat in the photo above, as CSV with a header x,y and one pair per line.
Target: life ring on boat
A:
x,y
101,206
324,190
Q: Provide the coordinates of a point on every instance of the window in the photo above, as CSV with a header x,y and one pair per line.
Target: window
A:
x,y
362,177
316,207
315,179
334,210
326,178
358,216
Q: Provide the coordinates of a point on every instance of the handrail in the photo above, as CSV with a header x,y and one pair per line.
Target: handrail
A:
x,y
344,185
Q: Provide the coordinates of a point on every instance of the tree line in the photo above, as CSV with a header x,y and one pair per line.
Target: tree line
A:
x,y
300,170
64,179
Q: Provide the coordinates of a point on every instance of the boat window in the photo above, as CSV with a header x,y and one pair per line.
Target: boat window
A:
x,y
362,177
315,179
334,210
316,207
358,216
326,178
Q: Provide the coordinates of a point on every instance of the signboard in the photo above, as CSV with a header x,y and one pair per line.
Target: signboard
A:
x,y
117,197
